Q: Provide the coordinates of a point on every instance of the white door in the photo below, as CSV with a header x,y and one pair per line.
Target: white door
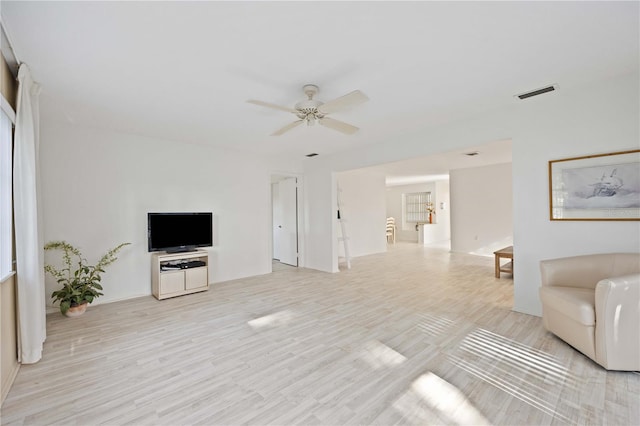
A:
x,y
288,226
277,219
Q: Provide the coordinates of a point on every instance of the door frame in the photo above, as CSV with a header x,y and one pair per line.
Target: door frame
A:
x,y
300,214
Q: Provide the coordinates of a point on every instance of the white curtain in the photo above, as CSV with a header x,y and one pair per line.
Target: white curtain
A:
x,y
32,328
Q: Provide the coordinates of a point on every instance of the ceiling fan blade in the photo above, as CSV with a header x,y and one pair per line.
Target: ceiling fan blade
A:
x,y
273,106
350,99
287,128
338,125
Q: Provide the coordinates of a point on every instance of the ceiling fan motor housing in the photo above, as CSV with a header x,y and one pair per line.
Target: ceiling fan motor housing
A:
x,y
308,109
310,90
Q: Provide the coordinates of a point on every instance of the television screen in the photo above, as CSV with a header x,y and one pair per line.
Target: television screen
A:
x,y
175,232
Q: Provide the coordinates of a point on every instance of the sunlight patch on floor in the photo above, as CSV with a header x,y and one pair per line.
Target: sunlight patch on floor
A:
x,y
379,355
538,363
434,325
431,399
272,320
526,373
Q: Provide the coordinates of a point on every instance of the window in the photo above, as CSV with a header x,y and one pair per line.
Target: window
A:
x,y
415,207
6,209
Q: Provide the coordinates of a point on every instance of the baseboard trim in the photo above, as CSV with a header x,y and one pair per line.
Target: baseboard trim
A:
x,y
7,385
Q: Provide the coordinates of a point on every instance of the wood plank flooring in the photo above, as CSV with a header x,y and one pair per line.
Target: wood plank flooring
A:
x,y
413,336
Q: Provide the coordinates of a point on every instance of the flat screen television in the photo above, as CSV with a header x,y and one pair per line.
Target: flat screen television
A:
x,y
179,232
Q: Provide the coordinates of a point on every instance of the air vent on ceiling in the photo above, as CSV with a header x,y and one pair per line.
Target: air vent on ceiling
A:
x,y
313,154
537,92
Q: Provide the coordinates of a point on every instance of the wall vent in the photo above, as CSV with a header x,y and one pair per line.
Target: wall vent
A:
x,y
313,154
537,92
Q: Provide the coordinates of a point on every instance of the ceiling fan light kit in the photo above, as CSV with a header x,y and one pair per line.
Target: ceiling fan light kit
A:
x,y
311,110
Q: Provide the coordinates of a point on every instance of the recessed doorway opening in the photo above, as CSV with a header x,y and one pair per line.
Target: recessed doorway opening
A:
x,y
285,219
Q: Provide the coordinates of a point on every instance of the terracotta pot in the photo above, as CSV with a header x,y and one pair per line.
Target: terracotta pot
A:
x,y
76,311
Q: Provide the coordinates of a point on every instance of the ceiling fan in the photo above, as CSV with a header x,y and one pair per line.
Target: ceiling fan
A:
x,y
311,110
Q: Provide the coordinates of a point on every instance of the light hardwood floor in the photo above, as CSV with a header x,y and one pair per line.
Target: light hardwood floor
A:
x,y
413,336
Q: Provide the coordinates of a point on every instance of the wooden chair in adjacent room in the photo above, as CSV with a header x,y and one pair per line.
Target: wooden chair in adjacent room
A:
x,y
391,230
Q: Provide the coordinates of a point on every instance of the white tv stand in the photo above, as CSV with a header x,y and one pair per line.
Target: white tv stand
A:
x,y
168,280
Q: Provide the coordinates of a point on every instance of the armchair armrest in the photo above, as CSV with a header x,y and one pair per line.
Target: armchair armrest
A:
x,y
618,322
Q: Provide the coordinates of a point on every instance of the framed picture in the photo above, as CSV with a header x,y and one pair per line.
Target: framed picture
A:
x,y
595,187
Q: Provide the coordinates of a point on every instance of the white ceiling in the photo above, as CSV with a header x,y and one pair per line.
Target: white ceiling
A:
x,y
183,70
437,166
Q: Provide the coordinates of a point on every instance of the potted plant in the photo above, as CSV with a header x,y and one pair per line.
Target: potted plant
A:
x,y
80,281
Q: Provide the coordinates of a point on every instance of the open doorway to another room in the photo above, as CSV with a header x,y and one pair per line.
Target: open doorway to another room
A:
x,y
420,211
285,223
460,201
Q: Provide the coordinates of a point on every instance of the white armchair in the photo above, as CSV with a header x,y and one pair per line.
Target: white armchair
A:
x,y
592,302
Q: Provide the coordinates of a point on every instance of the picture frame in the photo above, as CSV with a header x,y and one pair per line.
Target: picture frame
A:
x,y
595,187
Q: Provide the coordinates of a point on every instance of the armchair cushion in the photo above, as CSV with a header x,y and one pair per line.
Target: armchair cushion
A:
x,y
576,303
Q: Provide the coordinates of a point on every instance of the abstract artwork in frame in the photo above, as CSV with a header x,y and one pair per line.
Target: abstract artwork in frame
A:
x,y
596,187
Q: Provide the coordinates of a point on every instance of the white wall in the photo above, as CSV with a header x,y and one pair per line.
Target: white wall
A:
x,y
440,229
320,207
363,211
98,187
481,209
600,118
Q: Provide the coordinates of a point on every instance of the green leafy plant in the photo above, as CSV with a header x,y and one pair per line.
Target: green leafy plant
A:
x,y
80,281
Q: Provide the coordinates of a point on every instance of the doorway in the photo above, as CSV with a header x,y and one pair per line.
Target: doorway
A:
x,y
284,203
